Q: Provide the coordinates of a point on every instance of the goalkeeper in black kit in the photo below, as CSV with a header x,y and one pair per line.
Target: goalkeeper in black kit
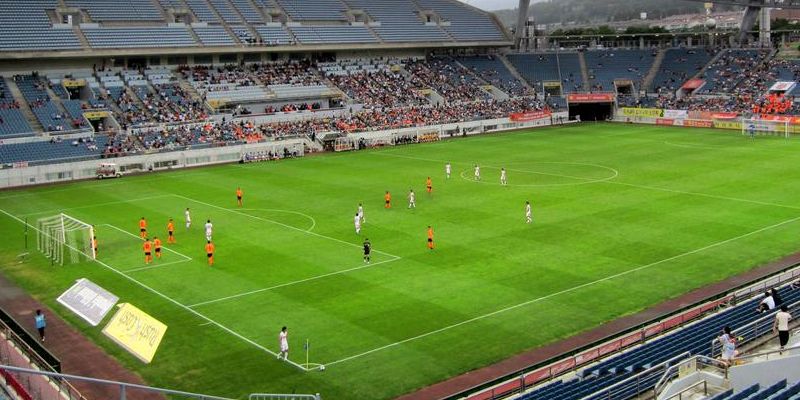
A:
x,y
367,249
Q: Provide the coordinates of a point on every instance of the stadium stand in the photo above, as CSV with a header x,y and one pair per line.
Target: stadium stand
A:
x,y
606,66
54,150
553,67
213,36
398,24
373,83
25,26
12,121
274,35
465,24
226,11
112,10
202,11
250,14
494,71
447,78
693,338
139,37
678,66
727,71
332,34
314,10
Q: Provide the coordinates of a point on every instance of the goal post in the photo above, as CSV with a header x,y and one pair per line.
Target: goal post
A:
x,y
63,238
765,127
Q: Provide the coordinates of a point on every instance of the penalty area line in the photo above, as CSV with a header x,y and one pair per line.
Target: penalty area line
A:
x,y
169,299
185,257
313,278
565,291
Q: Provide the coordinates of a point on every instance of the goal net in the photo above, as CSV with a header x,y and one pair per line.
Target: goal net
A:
x,y
763,127
65,239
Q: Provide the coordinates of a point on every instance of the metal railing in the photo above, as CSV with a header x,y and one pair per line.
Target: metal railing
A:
x,y
639,383
679,395
266,396
123,387
751,331
693,364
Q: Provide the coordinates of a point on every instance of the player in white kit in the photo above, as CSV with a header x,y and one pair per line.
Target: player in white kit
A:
x,y
528,212
209,230
283,340
188,218
503,177
412,199
447,170
357,223
361,213
477,172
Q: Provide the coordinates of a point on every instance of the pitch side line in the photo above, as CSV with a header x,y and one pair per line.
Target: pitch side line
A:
x,y
187,258
565,291
96,205
171,300
313,278
282,224
615,182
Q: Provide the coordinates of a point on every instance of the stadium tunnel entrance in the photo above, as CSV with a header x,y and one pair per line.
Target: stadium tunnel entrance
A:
x,y
591,111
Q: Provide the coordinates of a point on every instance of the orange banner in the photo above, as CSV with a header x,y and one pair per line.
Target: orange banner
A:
x,y
590,97
529,116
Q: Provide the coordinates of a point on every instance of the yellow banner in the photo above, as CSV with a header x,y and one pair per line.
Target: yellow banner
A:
x,y
642,112
551,84
72,83
95,114
136,332
733,125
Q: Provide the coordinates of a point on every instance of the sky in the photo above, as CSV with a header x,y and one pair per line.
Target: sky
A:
x,y
493,4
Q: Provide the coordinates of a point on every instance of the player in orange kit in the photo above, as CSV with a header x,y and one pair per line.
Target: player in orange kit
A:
x,y
429,184
239,194
148,248
170,231
210,252
157,245
388,199
143,228
430,237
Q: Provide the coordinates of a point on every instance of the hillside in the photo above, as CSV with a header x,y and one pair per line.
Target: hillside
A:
x,y
593,11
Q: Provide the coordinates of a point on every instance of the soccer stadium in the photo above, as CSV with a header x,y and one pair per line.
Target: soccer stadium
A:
x,y
399,199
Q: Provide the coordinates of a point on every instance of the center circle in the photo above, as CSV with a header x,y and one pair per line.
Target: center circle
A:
x,y
543,174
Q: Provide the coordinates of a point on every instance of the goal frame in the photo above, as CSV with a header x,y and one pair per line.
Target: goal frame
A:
x,y
782,127
55,233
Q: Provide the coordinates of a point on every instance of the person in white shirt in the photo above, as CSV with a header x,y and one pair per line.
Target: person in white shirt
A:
x,y
781,326
283,339
477,172
528,212
357,223
412,199
209,230
728,345
503,177
447,170
361,213
768,303
188,218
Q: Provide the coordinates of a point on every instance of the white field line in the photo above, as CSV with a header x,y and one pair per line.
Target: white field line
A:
x,y
185,257
171,300
615,182
310,218
282,224
565,291
95,205
313,278
154,266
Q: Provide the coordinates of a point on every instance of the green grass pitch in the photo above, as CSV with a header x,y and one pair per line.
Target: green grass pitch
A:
x,y
624,217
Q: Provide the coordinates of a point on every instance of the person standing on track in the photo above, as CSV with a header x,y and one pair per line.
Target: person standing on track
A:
x,y
41,323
